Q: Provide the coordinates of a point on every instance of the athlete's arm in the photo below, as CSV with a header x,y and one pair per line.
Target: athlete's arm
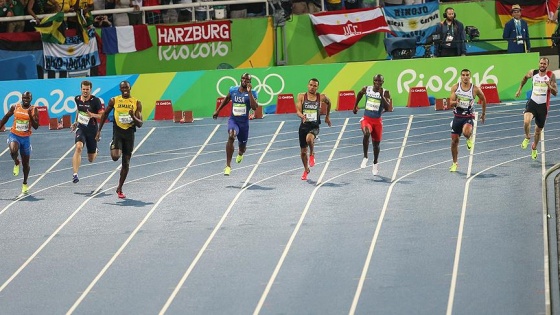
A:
x,y
9,114
224,102
34,117
299,106
325,99
387,100
523,81
104,117
482,99
137,116
453,96
252,100
552,85
358,99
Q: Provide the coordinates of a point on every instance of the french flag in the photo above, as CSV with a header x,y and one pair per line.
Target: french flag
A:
x,y
125,39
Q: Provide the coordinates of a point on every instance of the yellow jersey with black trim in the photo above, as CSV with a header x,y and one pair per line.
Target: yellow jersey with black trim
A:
x,y
122,109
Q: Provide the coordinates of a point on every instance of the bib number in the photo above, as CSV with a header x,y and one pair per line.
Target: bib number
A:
x,y
239,109
22,125
373,106
83,118
125,119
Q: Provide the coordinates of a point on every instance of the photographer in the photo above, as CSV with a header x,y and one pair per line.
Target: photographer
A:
x,y
101,21
452,36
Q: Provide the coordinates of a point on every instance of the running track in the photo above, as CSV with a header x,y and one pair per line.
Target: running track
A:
x,y
415,240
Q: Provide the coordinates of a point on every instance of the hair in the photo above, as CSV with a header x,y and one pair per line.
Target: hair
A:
x,y
545,58
450,8
380,76
246,74
87,83
125,81
315,80
466,70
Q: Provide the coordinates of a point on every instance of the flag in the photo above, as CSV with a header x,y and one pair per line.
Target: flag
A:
x,y
74,57
417,21
125,39
52,29
532,11
338,30
19,44
82,26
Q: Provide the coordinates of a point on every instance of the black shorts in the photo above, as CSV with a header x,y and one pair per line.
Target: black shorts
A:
x,y
458,123
539,111
87,137
305,129
123,139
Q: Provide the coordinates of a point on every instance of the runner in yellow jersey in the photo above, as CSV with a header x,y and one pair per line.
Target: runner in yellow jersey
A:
x,y
25,117
128,116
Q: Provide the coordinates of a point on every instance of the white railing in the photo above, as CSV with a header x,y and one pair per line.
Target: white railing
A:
x,y
193,6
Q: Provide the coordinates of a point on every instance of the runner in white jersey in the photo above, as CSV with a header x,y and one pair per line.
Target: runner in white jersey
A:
x,y
544,83
462,98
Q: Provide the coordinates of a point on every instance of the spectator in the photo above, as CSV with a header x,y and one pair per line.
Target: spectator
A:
x,y
35,7
204,12
169,15
452,36
153,17
121,19
305,6
135,17
516,32
101,21
11,8
353,4
333,5
185,14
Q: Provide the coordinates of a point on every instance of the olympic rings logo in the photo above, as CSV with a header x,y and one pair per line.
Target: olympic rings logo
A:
x,y
272,85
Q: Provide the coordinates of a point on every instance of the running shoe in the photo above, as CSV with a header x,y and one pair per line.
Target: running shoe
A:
x,y
311,160
364,163
239,158
469,144
534,154
304,175
453,167
375,169
16,170
227,171
75,178
524,144
24,189
120,195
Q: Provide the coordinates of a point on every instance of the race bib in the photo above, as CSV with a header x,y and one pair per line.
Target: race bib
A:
x,y
125,119
22,125
540,89
373,105
239,109
463,103
83,118
311,116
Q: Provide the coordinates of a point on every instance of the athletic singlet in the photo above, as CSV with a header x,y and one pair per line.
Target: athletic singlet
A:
x,y
93,105
312,109
541,92
21,126
240,103
373,102
465,102
122,108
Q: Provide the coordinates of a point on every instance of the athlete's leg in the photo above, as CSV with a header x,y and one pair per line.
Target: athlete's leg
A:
x,y
454,146
230,148
25,163
77,158
125,165
527,117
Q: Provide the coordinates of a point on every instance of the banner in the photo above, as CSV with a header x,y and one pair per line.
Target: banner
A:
x,y
125,39
532,11
338,30
193,33
72,57
413,21
19,44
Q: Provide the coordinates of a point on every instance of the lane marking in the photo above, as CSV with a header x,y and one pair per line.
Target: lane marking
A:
x,y
138,227
403,145
213,234
471,153
48,240
296,229
263,155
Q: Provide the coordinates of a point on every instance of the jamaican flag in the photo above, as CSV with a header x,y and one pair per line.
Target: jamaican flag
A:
x,y
52,29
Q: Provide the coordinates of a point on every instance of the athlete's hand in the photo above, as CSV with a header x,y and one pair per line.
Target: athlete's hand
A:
x,y
517,93
215,115
482,118
97,136
355,110
74,127
328,120
303,118
249,87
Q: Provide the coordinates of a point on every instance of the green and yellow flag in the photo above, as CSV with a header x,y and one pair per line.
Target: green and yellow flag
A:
x,y
53,29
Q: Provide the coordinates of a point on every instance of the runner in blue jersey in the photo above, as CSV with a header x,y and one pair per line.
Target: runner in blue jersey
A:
x,y
243,99
462,98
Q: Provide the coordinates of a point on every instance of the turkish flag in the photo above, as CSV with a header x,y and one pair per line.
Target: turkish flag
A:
x,y
338,30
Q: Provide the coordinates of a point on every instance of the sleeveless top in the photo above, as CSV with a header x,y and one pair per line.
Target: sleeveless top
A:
x,y
541,92
93,105
21,126
312,109
465,102
373,102
240,104
122,108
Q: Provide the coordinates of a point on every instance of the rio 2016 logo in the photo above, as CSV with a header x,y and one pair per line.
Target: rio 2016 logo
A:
x,y
267,88
451,75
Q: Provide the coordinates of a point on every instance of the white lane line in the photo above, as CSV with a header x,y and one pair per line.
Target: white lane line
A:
x,y
212,235
295,232
380,222
471,153
138,227
48,240
403,145
5,150
543,161
460,234
22,196
199,152
263,155
337,142
119,167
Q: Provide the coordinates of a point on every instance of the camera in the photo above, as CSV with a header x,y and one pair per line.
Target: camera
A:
x,y
472,32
